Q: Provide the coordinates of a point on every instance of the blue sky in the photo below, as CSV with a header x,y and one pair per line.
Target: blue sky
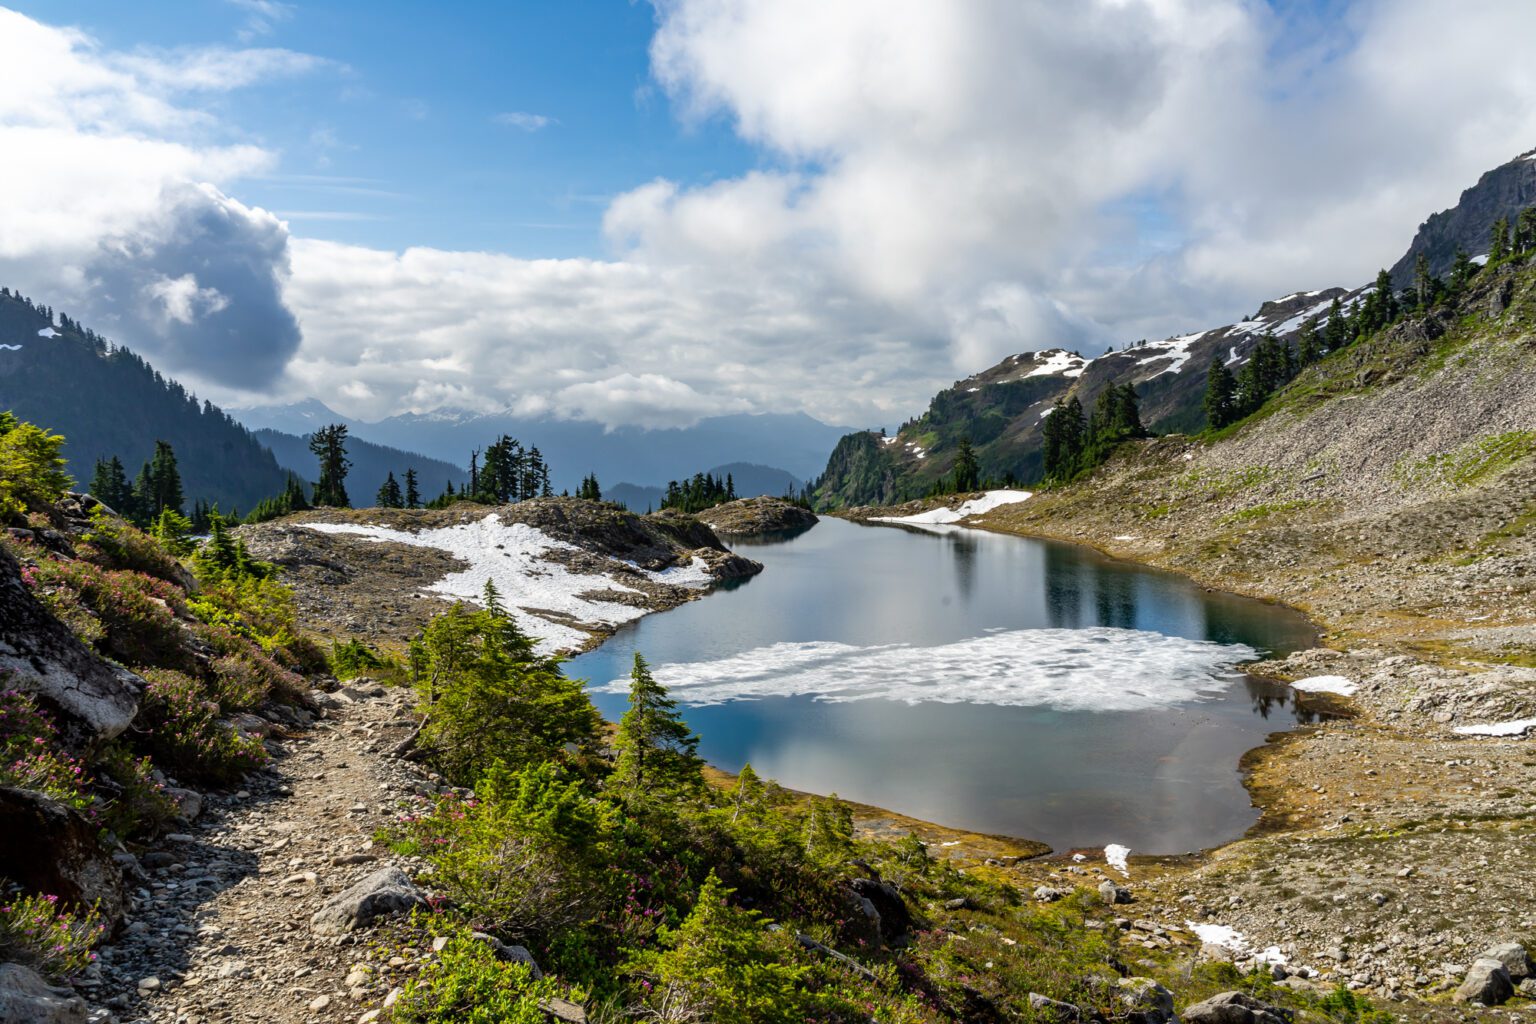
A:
x,y
397,141
648,213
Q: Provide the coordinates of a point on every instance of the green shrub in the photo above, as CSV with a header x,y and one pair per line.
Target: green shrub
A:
x,y
32,473
36,931
467,984
179,726
722,965
355,658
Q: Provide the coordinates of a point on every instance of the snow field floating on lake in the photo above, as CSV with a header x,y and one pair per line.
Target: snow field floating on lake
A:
x,y
1096,669
974,507
511,556
1325,684
1515,728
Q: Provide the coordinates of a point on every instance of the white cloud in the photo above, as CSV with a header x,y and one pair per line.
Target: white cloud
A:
x,y
106,208
524,120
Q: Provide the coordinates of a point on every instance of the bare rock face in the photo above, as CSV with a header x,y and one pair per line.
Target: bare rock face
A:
x,y
90,699
385,892
26,998
49,848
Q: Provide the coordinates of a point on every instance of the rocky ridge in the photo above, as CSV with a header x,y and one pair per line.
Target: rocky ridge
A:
x,y
757,516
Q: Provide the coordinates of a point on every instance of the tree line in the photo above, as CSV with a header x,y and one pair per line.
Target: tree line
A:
x,y
1073,444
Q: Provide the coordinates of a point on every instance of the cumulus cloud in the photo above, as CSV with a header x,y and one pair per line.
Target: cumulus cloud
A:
x,y
106,210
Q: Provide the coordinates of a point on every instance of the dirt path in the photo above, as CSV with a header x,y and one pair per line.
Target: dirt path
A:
x,y
220,931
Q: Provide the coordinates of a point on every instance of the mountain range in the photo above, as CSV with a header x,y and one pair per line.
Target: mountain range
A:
x,y
1002,409
793,443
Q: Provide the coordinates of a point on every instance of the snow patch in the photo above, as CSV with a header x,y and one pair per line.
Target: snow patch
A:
x,y
1060,361
1115,856
512,556
1483,259
1516,728
974,507
1093,669
1325,684
1124,536
47,332
1230,938
11,348
1078,858
1174,349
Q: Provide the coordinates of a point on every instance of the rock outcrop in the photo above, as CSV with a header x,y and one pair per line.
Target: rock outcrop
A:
x,y
756,516
90,699
49,848
26,998
1235,1008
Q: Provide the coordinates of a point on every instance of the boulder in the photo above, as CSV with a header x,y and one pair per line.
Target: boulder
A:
x,y
90,699
1046,1009
387,891
1050,893
26,998
1487,982
510,954
1514,958
1527,988
1111,893
1235,1008
49,848
895,918
1145,1001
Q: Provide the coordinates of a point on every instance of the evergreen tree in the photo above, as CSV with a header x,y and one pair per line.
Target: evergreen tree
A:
x,y
967,469
1525,230
1309,344
109,485
589,489
1220,395
1461,271
329,445
1498,244
657,751
165,479
1336,332
1064,432
389,493
412,495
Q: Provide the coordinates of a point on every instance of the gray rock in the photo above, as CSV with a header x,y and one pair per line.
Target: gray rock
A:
x,y
189,802
1487,982
1050,893
510,954
385,892
1111,893
1235,1008
1527,988
1513,956
25,998
1053,1010
49,848
895,918
90,699
1145,1001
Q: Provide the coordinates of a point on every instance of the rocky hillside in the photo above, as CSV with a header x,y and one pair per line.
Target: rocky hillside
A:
x,y
1002,408
570,570
757,516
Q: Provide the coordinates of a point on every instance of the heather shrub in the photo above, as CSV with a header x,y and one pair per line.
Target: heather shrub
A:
x,y
114,543
37,932
137,613
140,805
30,757
180,728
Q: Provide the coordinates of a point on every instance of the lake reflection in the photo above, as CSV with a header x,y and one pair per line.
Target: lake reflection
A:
x,y
874,602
